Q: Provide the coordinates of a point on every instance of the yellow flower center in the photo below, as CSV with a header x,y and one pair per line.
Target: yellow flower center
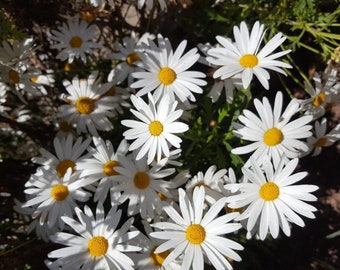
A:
x,y
85,105
156,128
64,126
39,217
13,117
59,192
249,61
69,67
63,166
158,258
195,234
167,75
76,42
161,196
87,16
98,246
141,180
132,58
269,191
13,76
111,92
233,210
201,184
272,136
321,142
109,167
34,79
319,99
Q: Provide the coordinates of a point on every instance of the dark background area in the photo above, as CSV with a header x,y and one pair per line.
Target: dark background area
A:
x,y
307,248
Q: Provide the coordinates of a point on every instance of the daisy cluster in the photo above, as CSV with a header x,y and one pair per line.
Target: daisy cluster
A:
x,y
18,73
130,200
21,81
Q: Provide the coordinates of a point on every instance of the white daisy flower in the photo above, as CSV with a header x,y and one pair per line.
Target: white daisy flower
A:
x,y
41,229
75,39
166,72
322,95
228,84
155,131
12,53
179,180
273,133
3,98
67,154
99,244
89,107
172,159
64,129
20,114
331,78
22,78
45,79
101,166
55,196
127,54
246,57
99,3
230,178
271,198
197,236
121,97
147,259
320,138
211,180
149,4
142,185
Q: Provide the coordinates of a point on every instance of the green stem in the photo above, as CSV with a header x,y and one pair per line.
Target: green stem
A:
x,y
285,86
302,74
151,17
19,246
